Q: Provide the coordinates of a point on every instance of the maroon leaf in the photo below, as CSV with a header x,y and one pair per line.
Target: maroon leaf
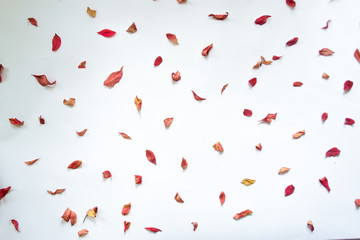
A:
x,y
42,79
349,121
4,191
325,183
262,20
33,21
151,156
310,225
206,50
292,41
82,64
333,152
291,3
41,120
348,85
152,229
75,164
56,42
114,78
107,33
1,70
289,190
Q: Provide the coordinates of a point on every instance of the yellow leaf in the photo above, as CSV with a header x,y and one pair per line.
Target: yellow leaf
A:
x,y
247,181
92,13
91,213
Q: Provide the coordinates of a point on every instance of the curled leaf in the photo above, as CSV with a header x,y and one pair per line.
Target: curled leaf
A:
x,y
324,116
292,41
172,38
69,215
248,181
291,3
357,55
264,61
242,214
197,98
126,225
206,50
222,198
195,224
357,202
223,88
56,42
176,76
348,85
152,229
41,120
333,152
151,156
16,122
184,163
325,183
258,147
31,162
75,164
289,190
247,112
158,61
107,174
178,198
107,33
298,134
218,147
326,52
274,58
297,84
114,78
262,20
257,65
92,13
126,209
253,81
269,117
283,170
349,121
82,132
33,21
4,191
124,135
70,102
16,224
42,79
138,179
325,76
82,64
327,24
138,103
83,233
168,121
57,191
132,28
219,16
310,225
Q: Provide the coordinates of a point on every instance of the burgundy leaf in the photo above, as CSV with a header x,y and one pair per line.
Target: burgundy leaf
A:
x,y
291,3
262,20
289,190
33,21
276,57
333,152
348,85
292,41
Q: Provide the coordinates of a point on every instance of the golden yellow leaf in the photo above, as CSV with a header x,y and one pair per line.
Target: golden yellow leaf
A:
x,y
92,13
247,181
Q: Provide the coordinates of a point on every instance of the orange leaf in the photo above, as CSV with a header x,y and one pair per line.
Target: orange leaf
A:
x,y
126,209
124,135
16,122
69,215
257,65
151,156
242,214
70,102
168,121
284,170
298,134
31,162
92,13
82,132
75,164
114,78
357,55
83,232
222,198
132,28
138,103
325,76
264,61
172,38
178,198
126,225
218,147
184,164
357,202
248,181
57,191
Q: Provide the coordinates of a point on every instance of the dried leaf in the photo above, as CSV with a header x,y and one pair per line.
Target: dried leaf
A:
x,y
206,50
69,215
132,28
151,156
197,98
138,103
357,55
292,41
218,147
325,76
152,229
264,61
1,70
16,224
57,191
325,183
289,190
184,164
269,117
16,122
158,61
138,179
178,198
4,191
82,132
326,52
298,134
324,116
242,214
114,78
126,225
357,202
91,213
291,3
70,102
176,76
126,209
333,152
82,64
348,85
107,174
258,147
56,42
172,38
284,170
83,233
41,120
247,112
33,21
168,121
223,88
274,58
257,65
253,82
195,224
219,16
75,164
42,79
262,20
222,198
248,181
92,13
31,162
181,1
297,84
124,135
327,24
107,33
349,121
310,225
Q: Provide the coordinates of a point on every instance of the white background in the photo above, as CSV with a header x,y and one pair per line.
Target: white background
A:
x,y
238,45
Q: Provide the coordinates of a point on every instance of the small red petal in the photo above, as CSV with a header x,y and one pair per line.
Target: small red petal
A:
x,y
327,24
126,209
310,225
172,38
297,84
357,55
326,52
82,132
242,214
132,28
107,174
349,121
56,42
291,3
31,162
82,64
247,112
16,224
138,179
4,191
16,122
258,147
333,152
324,116
176,76
124,135
289,190
222,198
158,61
253,82
184,164
357,202
33,21
219,16
152,229
42,79
292,41
197,98
348,85
151,156
269,117
206,50
276,57
325,183
107,33
126,225
262,20
75,164
168,121
223,88
195,224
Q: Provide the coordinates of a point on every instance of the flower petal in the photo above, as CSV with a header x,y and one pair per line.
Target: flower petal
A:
x,y
57,191
197,98
132,28
292,41
124,135
158,61
70,102
152,229
348,85
219,16
75,164
92,13
82,132
33,21
151,156
283,170
242,214
126,225
107,174
326,52
138,103
333,152
289,190
107,33
16,224
172,38
31,162
222,198
176,76
114,78
298,134
262,20
16,122
325,183
56,42
42,79
178,198
218,147
126,209
206,50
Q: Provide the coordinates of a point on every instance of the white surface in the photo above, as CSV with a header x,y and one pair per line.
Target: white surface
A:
x,y
238,45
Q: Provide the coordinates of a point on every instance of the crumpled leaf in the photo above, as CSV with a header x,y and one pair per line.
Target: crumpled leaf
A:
x,y
327,24
172,38
324,116
195,224
223,88
284,170
41,120
83,233
124,135
253,81
178,198
248,181
222,198
357,55
42,79
138,179
292,42
310,225
242,214
219,16
69,215
274,58
158,61
297,84
298,134
333,152
92,13
289,190
357,202
325,76
57,191
258,147
82,132
126,209
56,42
184,163
82,64
31,162
16,122
247,112
4,191
16,224
291,3
269,117
218,147
262,20
152,229
75,164
325,183
176,76
107,174
70,102
205,51
126,225
91,213
348,85
197,98
168,121
257,65
132,28
349,121
107,33
326,52
33,21
264,61
151,156
114,78
138,103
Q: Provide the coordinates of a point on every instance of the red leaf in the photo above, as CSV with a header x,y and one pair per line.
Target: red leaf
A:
x,y
253,82
291,3
326,52
31,162
333,152
258,147
178,198
289,190
75,164
114,78
42,79
158,61
69,215
70,102
126,209
197,98
126,225
132,28
222,198
124,135
223,88
325,76
82,64
107,174
242,214
56,42
168,121
4,191
107,33
195,224
16,122
138,179
206,50
357,55
181,1
57,191
327,24
16,224
310,225
349,121
218,147
33,21
219,16
172,38
184,164
247,112
150,156
297,84
292,41
262,20
82,132
41,120
357,202
1,70
269,117
348,85
176,76
152,229
276,57
324,116
325,183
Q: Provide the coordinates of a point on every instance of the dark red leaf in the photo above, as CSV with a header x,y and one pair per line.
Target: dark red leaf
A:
x,y
253,82
176,76
325,183
349,121
107,33
16,224
114,78
16,122
33,21
158,61
292,41
197,98
324,116
107,174
206,50
41,120
327,24
82,132
291,3
297,84
289,190
82,64
357,55
333,152
151,156
247,112
172,38
222,198
75,164
223,88
348,85
276,57
3,192
219,16
269,117
262,20
152,229
42,79
56,42
138,179
1,70
195,224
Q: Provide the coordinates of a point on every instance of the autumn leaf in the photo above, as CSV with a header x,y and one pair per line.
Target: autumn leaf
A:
x,y
324,116
31,162
292,42
114,78
357,55
248,181
326,52
138,179
269,117
82,132
176,76
283,170
178,198
158,61
70,102
172,38
126,225
168,121
247,112
138,103
33,21
297,84
124,135
57,191
327,24
92,13
258,147
348,85
126,209
325,76
289,190
16,122
310,225
42,79
325,183
132,28
298,134
107,174
223,88
107,33
205,51
291,3
197,98
91,213
184,164
83,233
222,198
152,229
82,64
56,42
181,1
41,120
4,191
242,214
262,20
357,202
257,65
264,61
218,147
253,81
1,70
151,156
16,224
349,121
333,152
219,16
275,58
195,224
75,164
69,216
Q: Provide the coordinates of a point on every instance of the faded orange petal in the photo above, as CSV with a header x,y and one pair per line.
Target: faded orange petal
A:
x,y
126,209
168,121
218,147
178,198
124,135
82,132
257,65
325,76
57,191
83,232
66,215
92,13
357,202
70,102
114,78
138,103
284,170
298,134
264,61
31,162
73,218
